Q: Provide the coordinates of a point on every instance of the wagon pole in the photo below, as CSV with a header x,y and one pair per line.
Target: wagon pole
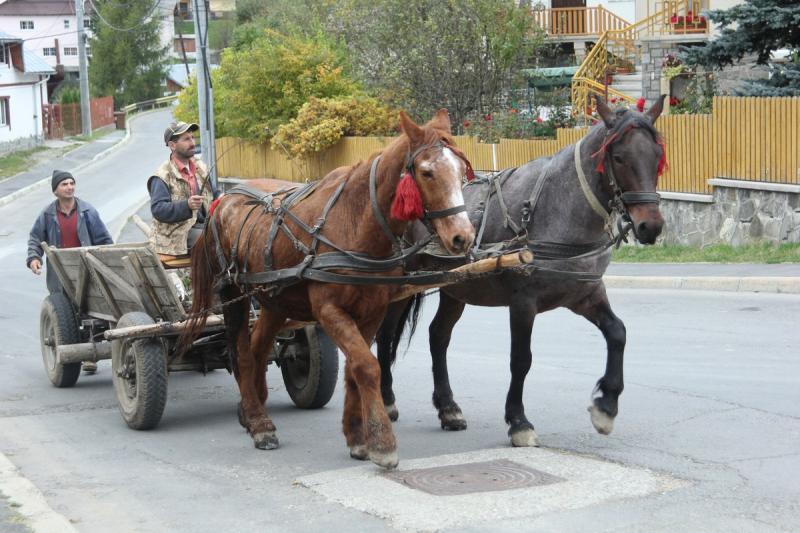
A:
x,y
457,275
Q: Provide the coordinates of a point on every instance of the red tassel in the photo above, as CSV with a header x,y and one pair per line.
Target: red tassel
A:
x,y
663,164
213,206
407,204
640,105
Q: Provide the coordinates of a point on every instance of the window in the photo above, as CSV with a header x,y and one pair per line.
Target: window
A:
x,y
5,118
48,51
70,51
86,22
66,24
3,57
26,24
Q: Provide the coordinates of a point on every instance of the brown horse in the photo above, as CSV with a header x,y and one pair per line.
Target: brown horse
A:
x,y
339,214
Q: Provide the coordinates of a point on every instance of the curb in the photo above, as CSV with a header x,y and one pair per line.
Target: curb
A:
x,y
769,284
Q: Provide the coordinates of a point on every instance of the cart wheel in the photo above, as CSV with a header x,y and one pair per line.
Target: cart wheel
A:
x,y
139,373
311,378
58,326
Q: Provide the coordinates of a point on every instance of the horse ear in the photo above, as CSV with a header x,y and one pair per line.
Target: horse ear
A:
x,y
604,111
655,111
410,128
441,121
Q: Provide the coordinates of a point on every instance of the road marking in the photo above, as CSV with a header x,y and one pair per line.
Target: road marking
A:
x,y
30,502
587,481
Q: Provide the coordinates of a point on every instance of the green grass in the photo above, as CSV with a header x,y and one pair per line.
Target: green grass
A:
x,y
16,162
719,253
96,134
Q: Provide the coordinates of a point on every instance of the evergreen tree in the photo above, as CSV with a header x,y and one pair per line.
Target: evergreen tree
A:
x,y
127,58
756,27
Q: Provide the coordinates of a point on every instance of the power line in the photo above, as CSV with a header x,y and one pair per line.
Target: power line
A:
x,y
156,3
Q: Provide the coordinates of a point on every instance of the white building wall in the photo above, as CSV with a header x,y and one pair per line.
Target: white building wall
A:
x,y
624,9
25,106
46,31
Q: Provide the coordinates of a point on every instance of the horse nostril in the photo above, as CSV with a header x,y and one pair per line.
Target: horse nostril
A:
x,y
458,242
642,228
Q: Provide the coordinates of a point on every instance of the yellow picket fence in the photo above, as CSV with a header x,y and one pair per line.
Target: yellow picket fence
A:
x,y
756,139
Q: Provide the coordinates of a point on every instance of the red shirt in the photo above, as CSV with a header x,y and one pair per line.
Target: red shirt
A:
x,y
69,228
187,173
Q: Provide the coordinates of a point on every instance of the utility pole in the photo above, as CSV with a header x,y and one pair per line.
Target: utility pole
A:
x,y
205,96
86,112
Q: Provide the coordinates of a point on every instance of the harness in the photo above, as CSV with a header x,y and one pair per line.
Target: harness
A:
x,y
545,251
318,266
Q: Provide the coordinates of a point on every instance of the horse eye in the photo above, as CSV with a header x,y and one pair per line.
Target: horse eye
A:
x,y
617,159
427,174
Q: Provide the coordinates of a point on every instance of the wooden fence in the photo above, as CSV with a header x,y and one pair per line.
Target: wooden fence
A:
x,y
65,119
756,139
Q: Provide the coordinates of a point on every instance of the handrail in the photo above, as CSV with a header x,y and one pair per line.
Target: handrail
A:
x,y
674,17
147,104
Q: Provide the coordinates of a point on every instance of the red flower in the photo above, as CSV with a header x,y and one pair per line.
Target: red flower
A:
x,y
674,100
689,17
513,110
539,120
467,123
487,117
673,19
614,100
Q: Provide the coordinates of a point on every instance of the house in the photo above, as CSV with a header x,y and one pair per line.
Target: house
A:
x,y
620,56
50,30
23,94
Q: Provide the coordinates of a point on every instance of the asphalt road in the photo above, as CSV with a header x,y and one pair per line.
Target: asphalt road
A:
x,y
706,440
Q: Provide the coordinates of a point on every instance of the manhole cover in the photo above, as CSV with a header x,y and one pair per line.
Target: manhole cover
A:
x,y
500,474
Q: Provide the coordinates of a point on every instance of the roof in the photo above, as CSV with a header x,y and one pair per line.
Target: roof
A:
x,y
549,77
35,64
8,38
177,73
40,7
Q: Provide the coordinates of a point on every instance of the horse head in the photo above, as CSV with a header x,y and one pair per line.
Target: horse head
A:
x,y
632,157
430,189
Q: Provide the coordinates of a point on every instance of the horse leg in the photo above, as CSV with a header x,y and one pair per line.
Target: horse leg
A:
x,y
439,333
365,423
520,429
252,367
387,352
604,406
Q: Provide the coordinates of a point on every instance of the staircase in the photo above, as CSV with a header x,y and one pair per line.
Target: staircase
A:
x,y
618,47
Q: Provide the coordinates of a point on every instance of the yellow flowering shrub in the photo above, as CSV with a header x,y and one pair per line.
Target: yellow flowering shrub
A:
x,y
321,122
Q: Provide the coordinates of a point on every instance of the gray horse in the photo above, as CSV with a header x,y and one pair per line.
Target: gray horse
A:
x,y
562,207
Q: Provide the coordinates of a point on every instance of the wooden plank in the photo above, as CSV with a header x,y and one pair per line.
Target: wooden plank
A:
x,y
102,284
55,262
82,286
148,298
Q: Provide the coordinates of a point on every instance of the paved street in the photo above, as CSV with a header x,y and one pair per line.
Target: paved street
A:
x,y
706,440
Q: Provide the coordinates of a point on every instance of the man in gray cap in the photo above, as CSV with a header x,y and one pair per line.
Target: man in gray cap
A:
x,y
68,222
180,194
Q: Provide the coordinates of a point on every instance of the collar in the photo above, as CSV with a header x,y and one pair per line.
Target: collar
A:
x,y
183,168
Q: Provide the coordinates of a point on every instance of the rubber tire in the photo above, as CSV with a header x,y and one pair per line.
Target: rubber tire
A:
x,y
58,318
320,371
142,399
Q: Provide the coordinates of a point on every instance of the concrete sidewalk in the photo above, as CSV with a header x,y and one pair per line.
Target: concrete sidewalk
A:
x,y
740,277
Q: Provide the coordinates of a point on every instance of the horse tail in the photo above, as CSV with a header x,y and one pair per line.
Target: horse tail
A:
x,y
202,293
410,316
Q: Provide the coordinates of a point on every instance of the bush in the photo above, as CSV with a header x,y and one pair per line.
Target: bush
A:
x,y
321,122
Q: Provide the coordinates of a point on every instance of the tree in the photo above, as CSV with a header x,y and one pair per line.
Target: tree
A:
x,y
428,54
263,84
756,27
128,60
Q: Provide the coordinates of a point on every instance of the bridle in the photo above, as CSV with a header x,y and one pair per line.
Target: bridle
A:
x,y
620,200
408,168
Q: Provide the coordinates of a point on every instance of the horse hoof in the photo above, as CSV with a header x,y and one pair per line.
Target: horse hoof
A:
x,y
525,439
392,412
603,423
265,441
359,452
386,460
453,422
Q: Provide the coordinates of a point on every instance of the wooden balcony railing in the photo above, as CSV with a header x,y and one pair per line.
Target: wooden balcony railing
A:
x,y
568,21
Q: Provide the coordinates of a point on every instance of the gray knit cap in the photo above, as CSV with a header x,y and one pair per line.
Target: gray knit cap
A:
x,y
59,176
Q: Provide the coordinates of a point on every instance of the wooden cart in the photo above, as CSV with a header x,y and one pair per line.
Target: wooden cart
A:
x,y
119,303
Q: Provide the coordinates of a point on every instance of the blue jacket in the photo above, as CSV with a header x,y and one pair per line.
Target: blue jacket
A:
x,y
91,231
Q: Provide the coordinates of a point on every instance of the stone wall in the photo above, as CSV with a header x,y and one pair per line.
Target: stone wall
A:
x,y
23,143
653,53
738,212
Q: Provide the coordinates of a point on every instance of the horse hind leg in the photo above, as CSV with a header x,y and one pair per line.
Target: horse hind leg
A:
x,y
520,430
605,397
252,351
387,340
439,334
